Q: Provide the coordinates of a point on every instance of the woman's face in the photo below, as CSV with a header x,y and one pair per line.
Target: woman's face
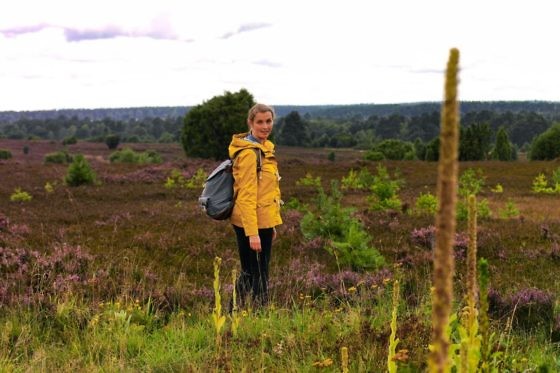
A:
x,y
261,126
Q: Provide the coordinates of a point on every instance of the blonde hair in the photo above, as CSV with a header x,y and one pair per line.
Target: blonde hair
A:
x,y
259,108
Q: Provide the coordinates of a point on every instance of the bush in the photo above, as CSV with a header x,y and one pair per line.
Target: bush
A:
x,y
540,183
546,146
20,196
5,154
79,172
309,180
471,182
347,238
374,155
384,191
59,157
358,180
482,209
510,211
112,141
69,140
530,308
426,204
395,149
197,180
127,155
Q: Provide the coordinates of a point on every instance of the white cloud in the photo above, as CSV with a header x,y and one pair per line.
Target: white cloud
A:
x,y
105,53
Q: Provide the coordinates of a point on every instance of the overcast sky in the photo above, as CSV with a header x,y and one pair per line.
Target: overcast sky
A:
x,y
57,54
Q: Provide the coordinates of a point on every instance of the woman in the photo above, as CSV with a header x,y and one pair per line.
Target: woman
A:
x,y
257,206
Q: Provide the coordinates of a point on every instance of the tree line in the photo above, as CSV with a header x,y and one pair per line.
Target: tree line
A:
x,y
412,128
63,128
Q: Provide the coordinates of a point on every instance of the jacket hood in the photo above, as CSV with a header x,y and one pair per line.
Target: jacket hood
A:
x,y
238,143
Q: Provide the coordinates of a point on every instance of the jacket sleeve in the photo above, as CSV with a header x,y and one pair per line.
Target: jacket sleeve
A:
x,y
245,175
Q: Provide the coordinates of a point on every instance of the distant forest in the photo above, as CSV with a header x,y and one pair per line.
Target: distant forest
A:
x,y
359,125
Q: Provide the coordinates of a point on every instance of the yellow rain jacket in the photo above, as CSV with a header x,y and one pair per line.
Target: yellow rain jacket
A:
x,y
257,204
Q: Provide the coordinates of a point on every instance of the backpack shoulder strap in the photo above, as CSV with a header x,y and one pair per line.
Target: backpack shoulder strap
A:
x,y
258,153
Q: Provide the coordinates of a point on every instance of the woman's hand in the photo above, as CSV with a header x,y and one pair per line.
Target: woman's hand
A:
x,y
255,243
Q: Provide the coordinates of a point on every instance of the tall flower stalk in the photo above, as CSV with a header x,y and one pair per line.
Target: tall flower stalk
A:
x,y
470,339
445,219
217,317
393,341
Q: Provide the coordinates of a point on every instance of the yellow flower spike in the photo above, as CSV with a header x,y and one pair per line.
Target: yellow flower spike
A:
x,y
344,359
352,289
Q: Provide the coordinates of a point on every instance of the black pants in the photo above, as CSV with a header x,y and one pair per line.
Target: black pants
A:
x,y
254,267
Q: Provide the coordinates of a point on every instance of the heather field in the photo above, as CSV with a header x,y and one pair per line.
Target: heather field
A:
x,y
120,275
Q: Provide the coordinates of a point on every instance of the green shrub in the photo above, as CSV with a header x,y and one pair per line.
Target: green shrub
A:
x,y
59,157
112,141
79,172
510,211
309,180
127,155
384,190
69,140
20,196
426,204
331,157
540,183
197,180
26,149
347,239
374,155
546,146
482,210
358,180
331,219
5,154
471,182
498,188
395,149
354,249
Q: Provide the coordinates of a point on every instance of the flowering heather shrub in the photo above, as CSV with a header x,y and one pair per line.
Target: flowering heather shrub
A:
x,y
425,237
291,220
150,175
30,278
531,308
307,278
534,308
4,222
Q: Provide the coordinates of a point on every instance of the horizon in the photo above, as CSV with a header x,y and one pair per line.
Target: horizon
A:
x,y
284,105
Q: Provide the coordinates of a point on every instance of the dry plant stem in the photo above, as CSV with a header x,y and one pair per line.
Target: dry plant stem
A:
x,y
445,219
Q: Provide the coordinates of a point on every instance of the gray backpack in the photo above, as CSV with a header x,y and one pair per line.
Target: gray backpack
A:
x,y
217,198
